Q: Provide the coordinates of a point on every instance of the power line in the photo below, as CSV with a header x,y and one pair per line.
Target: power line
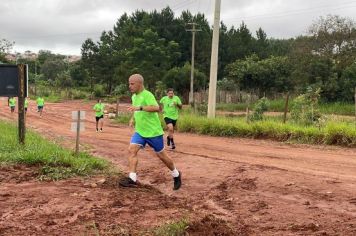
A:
x,y
181,4
189,2
294,12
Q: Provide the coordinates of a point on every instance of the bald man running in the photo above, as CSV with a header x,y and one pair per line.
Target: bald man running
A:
x,y
148,130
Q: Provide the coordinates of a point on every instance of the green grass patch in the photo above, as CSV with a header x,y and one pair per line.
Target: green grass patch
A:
x,y
337,108
274,105
52,98
123,118
54,161
173,228
333,133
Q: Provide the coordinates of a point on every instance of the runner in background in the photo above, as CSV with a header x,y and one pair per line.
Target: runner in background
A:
x,y
40,105
99,115
170,105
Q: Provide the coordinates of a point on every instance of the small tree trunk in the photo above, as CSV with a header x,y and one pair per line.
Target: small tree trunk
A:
x,y
286,109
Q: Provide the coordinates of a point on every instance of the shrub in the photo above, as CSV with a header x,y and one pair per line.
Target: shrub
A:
x,y
260,107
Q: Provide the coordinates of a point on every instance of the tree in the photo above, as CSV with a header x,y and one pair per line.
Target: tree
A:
x,y
51,68
5,46
89,59
262,76
179,79
151,56
320,59
78,74
333,36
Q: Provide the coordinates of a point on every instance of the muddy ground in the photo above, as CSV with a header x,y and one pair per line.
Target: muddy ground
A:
x,y
231,186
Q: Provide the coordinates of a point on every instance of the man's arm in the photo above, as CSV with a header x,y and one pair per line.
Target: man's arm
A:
x,y
144,108
179,103
132,122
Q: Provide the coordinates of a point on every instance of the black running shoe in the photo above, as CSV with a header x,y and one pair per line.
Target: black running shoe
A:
x,y
177,181
173,146
127,182
168,141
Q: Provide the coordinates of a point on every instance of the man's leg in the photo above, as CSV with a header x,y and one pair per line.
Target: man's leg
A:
x,y
167,160
136,143
101,124
133,160
170,164
96,123
170,130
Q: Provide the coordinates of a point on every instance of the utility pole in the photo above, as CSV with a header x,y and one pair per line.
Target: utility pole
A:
x,y
214,61
191,94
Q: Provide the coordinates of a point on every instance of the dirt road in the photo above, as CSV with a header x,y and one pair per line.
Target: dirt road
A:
x,y
230,186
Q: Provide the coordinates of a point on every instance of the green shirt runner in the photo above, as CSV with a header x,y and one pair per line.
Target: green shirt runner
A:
x,y
170,110
40,102
26,103
147,124
12,102
99,109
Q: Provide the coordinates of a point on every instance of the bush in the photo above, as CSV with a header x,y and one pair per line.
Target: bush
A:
x,y
305,108
79,94
99,90
260,107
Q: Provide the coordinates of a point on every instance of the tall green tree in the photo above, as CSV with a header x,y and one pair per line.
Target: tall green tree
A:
x,y
5,46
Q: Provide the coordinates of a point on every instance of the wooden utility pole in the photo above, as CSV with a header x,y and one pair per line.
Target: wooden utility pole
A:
x,y
191,94
214,61
355,104
286,109
21,102
117,106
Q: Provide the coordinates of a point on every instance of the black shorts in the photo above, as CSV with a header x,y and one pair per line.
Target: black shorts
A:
x,y
170,121
12,108
97,118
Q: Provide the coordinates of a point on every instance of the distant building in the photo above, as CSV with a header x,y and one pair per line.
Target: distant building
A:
x,y
33,56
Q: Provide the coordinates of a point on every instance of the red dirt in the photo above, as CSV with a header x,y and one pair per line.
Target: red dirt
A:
x,y
231,186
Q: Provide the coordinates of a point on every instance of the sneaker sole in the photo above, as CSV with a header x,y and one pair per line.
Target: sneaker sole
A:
x,y
128,186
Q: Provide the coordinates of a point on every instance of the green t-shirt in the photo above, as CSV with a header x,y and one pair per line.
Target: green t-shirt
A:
x,y
99,109
26,103
12,102
147,124
170,110
40,102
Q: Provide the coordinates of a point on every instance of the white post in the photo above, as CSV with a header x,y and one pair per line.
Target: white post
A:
x,y
214,61
78,131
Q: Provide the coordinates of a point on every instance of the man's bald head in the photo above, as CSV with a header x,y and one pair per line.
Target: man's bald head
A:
x,y
137,77
136,83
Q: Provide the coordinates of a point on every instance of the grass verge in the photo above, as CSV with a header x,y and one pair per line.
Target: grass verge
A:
x,y
333,133
54,161
336,108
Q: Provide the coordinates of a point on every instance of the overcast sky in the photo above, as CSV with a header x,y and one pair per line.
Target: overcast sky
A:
x,y
62,25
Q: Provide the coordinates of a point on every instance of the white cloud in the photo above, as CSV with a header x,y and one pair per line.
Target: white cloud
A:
x,y
63,25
